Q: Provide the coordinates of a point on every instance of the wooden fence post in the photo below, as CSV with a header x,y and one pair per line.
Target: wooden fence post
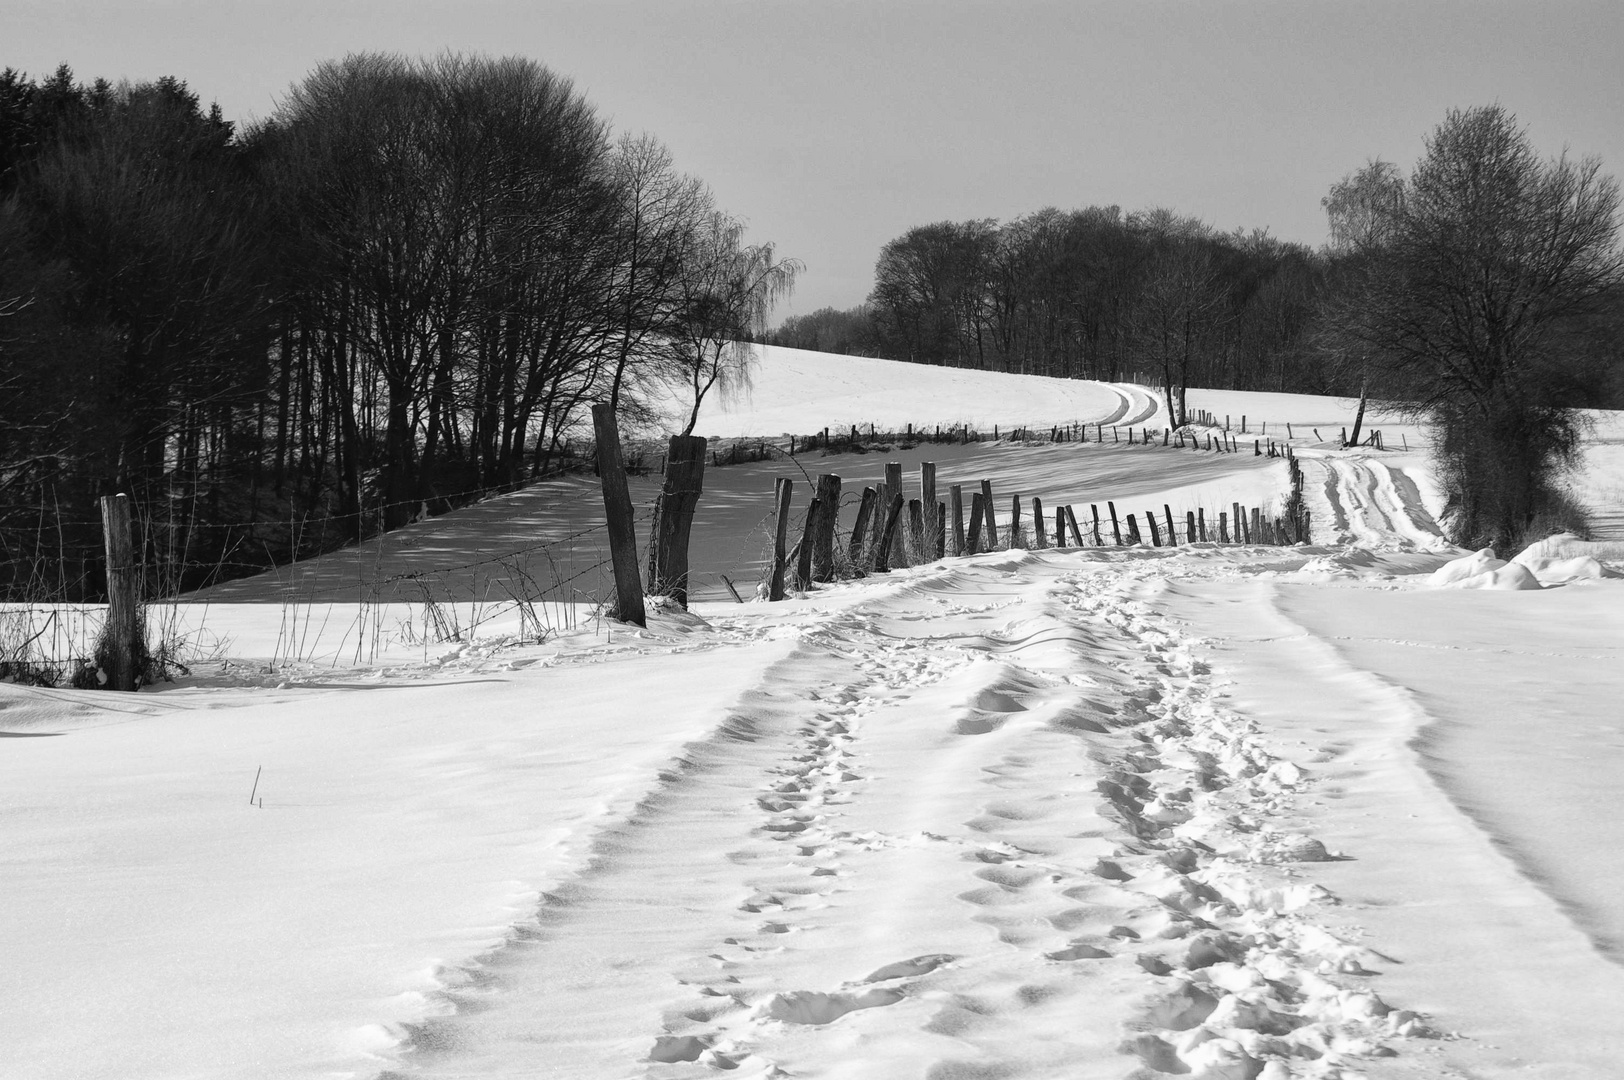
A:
x,y
927,499
893,487
679,495
978,510
781,497
1071,519
121,633
1133,531
1189,527
917,552
823,536
1060,526
955,495
990,542
1015,540
803,565
1093,508
859,532
941,530
1172,536
1155,533
1039,537
1223,526
617,511
889,535
1116,530
1201,523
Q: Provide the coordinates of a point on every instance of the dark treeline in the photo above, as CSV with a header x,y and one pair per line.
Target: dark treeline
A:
x,y
1092,294
401,290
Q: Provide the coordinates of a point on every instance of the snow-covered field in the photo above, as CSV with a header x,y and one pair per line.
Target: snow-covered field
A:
x,y
1221,812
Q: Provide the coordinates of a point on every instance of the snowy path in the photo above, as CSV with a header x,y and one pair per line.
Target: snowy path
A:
x,y
986,818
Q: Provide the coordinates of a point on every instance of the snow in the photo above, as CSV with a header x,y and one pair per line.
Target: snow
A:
x,y
1213,811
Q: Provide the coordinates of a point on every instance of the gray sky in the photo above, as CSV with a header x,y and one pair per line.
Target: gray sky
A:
x,y
832,127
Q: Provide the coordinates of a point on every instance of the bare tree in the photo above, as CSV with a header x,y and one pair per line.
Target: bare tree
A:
x,y
1475,301
726,293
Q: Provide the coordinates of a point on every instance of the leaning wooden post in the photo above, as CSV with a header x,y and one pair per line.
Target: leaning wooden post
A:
x,y
917,552
955,495
889,534
781,495
121,633
1094,511
990,541
1133,531
823,536
859,531
1071,519
1172,536
617,511
978,510
803,565
1116,529
679,495
1155,533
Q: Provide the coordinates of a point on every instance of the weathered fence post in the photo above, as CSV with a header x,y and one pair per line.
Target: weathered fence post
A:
x,y
1201,523
1189,527
1155,533
859,531
978,510
1015,540
1093,508
121,633
1071,519
941,530
889,535
955,496
1116,530
781,497
1039,539
1172,536
803,565
1223,526
1060,526
990,543
617,512
823,536
679,495
893,488
916,533
1133,531
927,499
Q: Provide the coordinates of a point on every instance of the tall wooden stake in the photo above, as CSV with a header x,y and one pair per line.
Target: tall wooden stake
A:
x,y
617,511
684,482
823,538
121,633
775,586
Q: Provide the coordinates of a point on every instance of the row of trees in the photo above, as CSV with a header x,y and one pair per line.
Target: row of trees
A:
x,y
1086,293
403,288
1485,290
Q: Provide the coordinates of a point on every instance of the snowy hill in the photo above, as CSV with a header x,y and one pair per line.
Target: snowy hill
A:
x,y
1210,811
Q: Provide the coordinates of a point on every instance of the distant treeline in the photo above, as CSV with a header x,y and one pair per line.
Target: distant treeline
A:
x,y
1098,294
400,290
1088,294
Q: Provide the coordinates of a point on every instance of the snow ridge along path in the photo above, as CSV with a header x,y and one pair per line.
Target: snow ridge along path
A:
x,y
986,819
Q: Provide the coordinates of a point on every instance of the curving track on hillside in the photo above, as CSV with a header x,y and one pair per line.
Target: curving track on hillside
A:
x,y
1136,406
1376,505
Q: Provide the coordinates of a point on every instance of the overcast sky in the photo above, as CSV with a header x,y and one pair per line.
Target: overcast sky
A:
x,y
834,127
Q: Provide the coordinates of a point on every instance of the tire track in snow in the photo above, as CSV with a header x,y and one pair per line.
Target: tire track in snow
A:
x,y
1371,504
